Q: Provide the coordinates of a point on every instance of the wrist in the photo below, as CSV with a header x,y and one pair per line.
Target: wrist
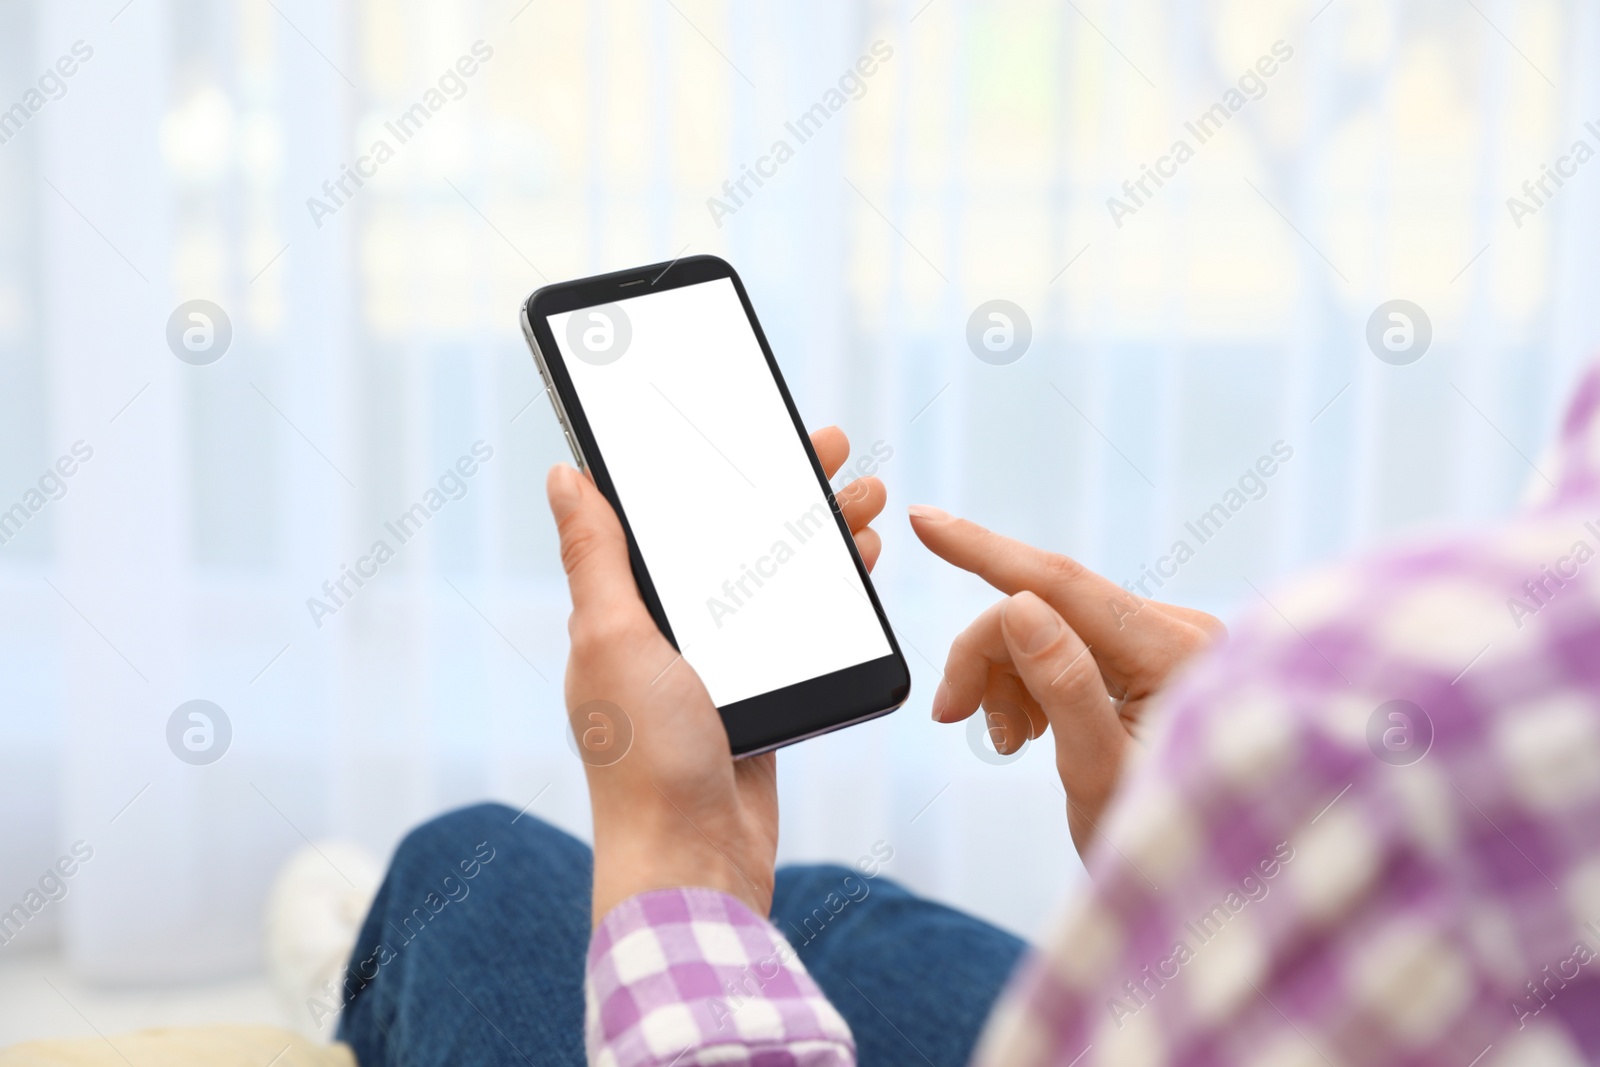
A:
x,y
626,867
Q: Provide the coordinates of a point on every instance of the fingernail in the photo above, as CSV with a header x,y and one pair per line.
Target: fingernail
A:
x,y
998,720
941,701
928,513
563,490
1031,623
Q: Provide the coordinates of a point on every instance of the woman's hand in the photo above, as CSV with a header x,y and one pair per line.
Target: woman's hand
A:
x,y
1067,649
671,806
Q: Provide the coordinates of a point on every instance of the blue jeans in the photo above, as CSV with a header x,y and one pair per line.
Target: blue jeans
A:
x,y
475,947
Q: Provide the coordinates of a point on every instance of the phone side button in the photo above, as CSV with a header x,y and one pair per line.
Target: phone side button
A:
x,y
577,457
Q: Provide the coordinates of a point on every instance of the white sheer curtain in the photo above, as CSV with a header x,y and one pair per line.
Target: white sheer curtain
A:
x,y
1228,313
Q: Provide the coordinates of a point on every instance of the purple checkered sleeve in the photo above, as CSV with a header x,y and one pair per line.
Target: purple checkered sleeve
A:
x,y
1366,830
682,977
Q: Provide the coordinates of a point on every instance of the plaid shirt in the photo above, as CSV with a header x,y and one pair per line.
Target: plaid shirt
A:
x,y
1365,830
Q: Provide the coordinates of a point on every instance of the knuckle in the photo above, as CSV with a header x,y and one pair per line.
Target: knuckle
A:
x,y
593,632
969,643
1080,674
1063,569
580,543
959,663
1191,638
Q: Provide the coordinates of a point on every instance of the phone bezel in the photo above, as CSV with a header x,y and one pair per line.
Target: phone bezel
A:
x,y
783,716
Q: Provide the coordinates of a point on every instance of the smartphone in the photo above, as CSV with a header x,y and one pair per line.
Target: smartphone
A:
x,y
670,397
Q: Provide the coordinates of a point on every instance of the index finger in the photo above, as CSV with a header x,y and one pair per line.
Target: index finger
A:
x,y
1096,607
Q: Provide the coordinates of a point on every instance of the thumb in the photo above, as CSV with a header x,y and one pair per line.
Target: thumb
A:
x,y
1064,678
594,551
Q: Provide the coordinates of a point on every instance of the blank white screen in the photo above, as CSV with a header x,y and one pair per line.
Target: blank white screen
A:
x,y
755,579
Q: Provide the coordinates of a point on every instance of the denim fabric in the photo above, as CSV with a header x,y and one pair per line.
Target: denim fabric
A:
x,y
468,959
